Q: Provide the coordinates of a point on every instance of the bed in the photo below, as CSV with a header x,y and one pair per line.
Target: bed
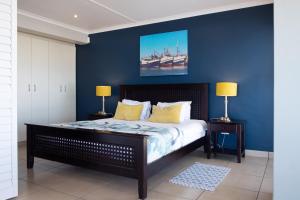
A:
x,y
120,153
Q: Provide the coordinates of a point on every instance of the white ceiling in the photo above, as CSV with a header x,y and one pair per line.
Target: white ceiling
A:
x,y
101,15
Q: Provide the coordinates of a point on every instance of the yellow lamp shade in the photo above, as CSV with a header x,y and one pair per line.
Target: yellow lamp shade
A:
x,y
228,89
103,91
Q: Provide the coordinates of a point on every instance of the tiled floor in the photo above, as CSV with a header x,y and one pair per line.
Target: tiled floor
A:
x,y
250,180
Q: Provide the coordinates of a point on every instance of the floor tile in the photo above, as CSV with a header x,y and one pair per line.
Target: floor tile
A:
x,y
228,193
48,162
270,162
156,180
46,194
108,192
180,191
27,174
247,169
53,180
45,179
75,188
265,196
269,172
26,188
161,196
243,181
254,160
267,185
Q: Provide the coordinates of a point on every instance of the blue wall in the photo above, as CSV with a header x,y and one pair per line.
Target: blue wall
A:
x,y
229,46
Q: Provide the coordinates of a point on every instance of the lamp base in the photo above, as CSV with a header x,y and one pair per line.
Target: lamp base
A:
x,y
101,113
225,119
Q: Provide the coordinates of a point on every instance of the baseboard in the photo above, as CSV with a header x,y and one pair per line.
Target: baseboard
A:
x,y
260,154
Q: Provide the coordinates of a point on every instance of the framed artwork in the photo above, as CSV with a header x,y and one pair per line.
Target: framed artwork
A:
x,y
164,54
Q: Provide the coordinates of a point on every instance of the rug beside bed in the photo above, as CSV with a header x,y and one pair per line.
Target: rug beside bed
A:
x,y
201,176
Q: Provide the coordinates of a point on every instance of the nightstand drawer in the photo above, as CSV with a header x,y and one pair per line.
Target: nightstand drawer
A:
x,y
223,127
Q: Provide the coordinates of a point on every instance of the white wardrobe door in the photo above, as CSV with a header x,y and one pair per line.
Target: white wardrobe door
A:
x,y
24,84
8,99
61,82
39,74
56,82
70,83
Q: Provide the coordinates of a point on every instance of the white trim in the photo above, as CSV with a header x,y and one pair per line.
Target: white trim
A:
x,y
112,10
254,153
51,21
185,15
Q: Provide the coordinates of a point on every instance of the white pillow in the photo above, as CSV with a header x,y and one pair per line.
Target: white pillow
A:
x,y
146,107
185,110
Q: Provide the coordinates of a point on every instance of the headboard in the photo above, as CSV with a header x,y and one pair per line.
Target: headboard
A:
x,y
197,93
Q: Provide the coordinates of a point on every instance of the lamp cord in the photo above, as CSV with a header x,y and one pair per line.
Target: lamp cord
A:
x,y
222,146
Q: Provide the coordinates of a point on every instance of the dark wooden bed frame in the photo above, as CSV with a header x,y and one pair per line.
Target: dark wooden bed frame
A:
x,y
118,153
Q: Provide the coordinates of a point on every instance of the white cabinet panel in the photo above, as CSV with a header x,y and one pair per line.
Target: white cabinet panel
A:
x,y
39,73
24,84
70,83
56,82
61,82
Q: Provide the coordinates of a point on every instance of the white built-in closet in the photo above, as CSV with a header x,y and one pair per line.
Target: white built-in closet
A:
x,y
46,81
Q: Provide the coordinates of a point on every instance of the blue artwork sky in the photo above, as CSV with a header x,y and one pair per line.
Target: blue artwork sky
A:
x,y
159,42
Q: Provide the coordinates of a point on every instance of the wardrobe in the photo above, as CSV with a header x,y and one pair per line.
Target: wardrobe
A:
x,y
46,81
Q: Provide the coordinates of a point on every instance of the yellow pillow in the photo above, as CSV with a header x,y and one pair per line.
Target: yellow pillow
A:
x,y
169,114
128,112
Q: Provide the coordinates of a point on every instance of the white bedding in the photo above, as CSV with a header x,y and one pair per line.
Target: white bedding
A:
x,y
163,139
191,131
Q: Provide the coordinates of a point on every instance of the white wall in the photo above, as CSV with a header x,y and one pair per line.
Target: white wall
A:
x,y
287,100
8,99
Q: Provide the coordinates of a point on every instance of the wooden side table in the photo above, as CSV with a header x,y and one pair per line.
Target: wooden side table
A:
x,y
215,127
100,116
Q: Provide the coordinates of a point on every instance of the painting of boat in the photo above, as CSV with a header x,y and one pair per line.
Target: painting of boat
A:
x,y
164,54
151,62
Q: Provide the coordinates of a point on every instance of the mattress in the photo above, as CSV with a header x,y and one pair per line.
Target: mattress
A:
x,y
163,139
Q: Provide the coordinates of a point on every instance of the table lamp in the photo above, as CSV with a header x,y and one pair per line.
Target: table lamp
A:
x,y
103,91
226,89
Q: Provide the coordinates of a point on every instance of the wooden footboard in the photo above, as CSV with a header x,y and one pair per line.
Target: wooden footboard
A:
x,y
118,153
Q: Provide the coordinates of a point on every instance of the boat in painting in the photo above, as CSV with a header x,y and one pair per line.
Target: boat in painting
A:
x,y
179,60
166,61
151,62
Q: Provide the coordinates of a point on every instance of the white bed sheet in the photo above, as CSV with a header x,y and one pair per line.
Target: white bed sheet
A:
x,y
191,130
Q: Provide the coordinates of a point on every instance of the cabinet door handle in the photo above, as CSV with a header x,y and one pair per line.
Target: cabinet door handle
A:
x,y
28,87
65,88
34,88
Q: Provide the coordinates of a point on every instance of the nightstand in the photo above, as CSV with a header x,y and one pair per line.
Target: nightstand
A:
x,y
100,116
236,127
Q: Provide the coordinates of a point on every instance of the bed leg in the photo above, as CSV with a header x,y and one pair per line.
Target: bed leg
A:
x,y
30,157
142,185
30,162
142,168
